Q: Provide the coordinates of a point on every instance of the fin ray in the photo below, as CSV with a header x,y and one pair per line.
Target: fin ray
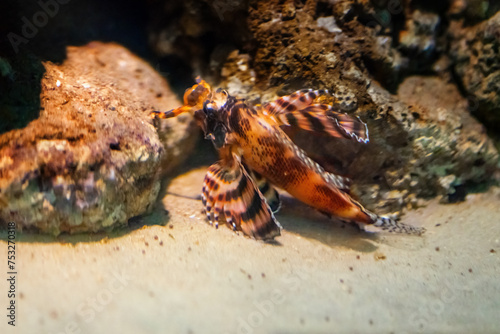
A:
x,y
306,109
321,118
392,225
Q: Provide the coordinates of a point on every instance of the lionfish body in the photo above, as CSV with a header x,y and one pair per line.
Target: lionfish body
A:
x,y
256,156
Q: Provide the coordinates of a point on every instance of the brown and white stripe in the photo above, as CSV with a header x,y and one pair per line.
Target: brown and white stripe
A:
x,y
232,192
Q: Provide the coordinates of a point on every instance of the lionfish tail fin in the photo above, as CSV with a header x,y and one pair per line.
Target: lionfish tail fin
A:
x,y
391,225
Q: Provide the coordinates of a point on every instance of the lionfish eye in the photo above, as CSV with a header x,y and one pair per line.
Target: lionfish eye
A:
x,y
209,110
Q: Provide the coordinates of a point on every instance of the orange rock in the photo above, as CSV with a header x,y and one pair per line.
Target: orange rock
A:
x,y
93,157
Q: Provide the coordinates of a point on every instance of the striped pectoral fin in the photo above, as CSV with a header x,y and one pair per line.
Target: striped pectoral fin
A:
x,y
306,109
321,118
232,192
296,101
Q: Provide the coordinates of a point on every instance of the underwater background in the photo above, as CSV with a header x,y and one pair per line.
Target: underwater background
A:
x,y
102,202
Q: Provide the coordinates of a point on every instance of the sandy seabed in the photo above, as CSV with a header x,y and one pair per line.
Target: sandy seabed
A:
x,y
174,273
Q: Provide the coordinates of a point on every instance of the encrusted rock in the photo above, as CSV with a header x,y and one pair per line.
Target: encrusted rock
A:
x,y
92,159
449,147
423,140
473,11
476,53
424,143
195,30
238,74
420,35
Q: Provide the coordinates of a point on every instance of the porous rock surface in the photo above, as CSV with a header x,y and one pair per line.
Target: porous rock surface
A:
x,y
369,54
93,158
476,51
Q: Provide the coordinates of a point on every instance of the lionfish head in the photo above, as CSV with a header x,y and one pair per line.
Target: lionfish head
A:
x,y
210,112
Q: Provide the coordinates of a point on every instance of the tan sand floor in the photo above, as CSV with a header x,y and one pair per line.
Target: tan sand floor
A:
x,y
320,276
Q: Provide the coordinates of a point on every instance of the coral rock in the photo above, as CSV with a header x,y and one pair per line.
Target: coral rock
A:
x,y
476,52
92,159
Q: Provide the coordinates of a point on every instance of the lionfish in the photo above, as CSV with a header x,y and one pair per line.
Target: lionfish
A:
x,y
256,156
